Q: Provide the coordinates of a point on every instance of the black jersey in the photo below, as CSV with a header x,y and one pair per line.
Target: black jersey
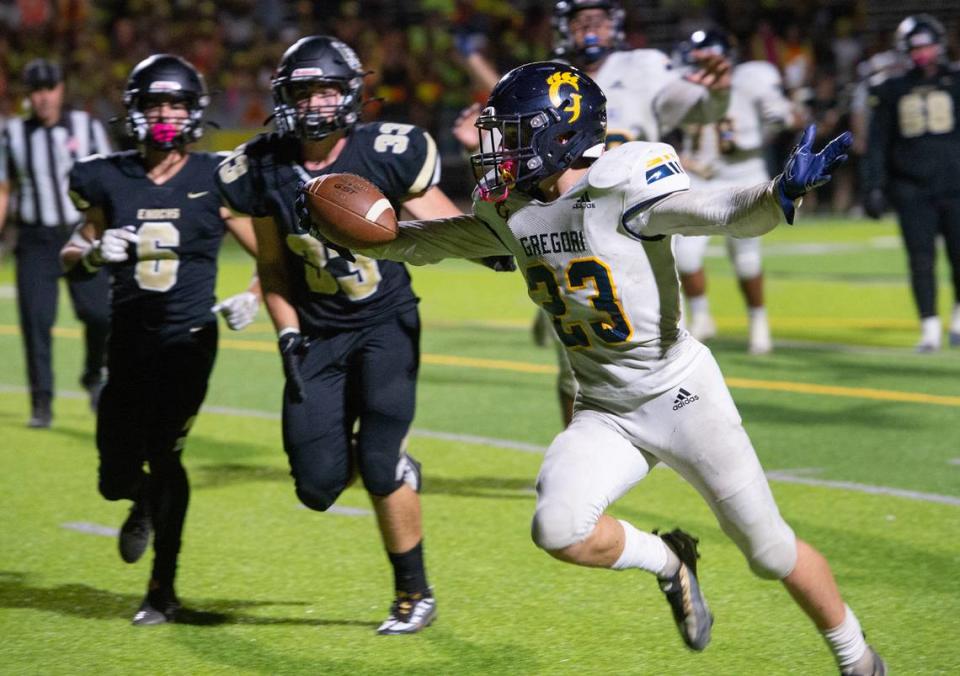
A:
x,y
170,276
915,132
261,177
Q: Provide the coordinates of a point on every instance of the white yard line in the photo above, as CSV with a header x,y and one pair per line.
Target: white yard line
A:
x,y
797,476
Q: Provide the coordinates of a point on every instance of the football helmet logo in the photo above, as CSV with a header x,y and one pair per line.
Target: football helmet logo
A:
x,y
558,80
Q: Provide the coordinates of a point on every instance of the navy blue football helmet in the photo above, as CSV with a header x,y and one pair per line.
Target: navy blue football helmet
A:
x,y
540,119
164,76
312,61
591,51
711,40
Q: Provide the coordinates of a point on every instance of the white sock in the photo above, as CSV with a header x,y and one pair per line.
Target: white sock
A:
x,y
955,319
846,640
699,305
757,314
647,552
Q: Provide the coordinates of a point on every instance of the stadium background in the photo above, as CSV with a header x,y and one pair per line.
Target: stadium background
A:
x,y
410,47
858,434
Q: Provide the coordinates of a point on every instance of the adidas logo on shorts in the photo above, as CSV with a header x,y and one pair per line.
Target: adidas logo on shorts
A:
x,y
684,398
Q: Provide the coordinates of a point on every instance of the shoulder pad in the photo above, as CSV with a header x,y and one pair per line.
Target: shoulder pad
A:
x,y
757,72
615,166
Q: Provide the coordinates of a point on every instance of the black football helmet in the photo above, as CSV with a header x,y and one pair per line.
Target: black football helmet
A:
x,y
313,60
540,119
712,40
564,46
920,30
164,76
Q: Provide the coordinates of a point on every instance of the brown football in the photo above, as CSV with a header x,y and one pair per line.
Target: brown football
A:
x,y
350,211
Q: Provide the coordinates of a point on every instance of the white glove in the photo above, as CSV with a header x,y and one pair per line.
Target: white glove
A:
x,y
239,310
112,247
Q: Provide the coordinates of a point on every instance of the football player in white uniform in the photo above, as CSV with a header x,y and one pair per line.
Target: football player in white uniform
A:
x,y
729,154
591,233
646,99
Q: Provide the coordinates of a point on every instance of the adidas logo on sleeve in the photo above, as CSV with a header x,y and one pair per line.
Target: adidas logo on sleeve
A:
x,y
684,398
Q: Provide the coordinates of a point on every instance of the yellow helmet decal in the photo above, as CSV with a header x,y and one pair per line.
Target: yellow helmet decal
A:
x,y
558,80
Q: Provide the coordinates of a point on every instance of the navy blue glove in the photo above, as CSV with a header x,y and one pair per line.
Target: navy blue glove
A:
x,y
804,171
292,347
304,224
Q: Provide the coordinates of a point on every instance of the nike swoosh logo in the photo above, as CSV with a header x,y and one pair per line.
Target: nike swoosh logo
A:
x,y
195,195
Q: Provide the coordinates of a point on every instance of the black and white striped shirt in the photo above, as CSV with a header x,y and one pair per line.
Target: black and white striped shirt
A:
x,y
38,159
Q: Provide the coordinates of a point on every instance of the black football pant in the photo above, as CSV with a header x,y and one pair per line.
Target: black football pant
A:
x,y
157,382
38,277
922,218
367,375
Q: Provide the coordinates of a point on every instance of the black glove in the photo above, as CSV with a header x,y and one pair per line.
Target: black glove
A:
x,y
875,203
305,226
292,348
499,263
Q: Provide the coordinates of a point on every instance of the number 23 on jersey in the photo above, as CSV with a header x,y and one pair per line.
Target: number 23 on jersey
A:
x,y
612,325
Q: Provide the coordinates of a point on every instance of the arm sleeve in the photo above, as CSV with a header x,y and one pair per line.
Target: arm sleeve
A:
x,y
86,188
776,110
424,242
744,212
874,174
683,102
237,185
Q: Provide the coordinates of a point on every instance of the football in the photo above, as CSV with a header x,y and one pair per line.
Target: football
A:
x,y
350,211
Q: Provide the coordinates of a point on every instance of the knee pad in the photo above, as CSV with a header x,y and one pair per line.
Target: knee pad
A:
x,y
556,526
746,258
120,487
318,495
771,552
776,559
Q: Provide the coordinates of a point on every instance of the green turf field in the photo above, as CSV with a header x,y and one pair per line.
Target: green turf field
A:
x,y
861,436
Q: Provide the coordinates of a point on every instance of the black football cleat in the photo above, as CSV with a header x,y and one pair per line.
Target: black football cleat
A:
x,y
409,614
160,606
690,610
135,533
40,418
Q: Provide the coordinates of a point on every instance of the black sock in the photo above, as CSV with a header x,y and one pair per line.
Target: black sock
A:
x,y
409,575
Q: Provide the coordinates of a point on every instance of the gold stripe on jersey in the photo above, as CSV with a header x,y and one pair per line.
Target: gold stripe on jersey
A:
x,y
429,168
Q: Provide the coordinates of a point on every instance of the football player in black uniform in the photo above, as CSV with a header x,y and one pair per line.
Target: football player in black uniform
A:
x,y
913,157
348,327
155,220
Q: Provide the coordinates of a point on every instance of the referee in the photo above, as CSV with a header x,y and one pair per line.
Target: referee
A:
x,y
36,154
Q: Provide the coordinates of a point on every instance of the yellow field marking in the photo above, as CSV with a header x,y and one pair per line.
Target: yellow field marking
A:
x,y
852,392
550,369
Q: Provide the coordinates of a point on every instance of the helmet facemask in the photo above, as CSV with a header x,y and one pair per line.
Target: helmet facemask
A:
x,y
507,157
165,133
295,113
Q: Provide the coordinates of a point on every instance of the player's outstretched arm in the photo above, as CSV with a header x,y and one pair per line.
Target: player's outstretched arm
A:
x,y
747,212
431,241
